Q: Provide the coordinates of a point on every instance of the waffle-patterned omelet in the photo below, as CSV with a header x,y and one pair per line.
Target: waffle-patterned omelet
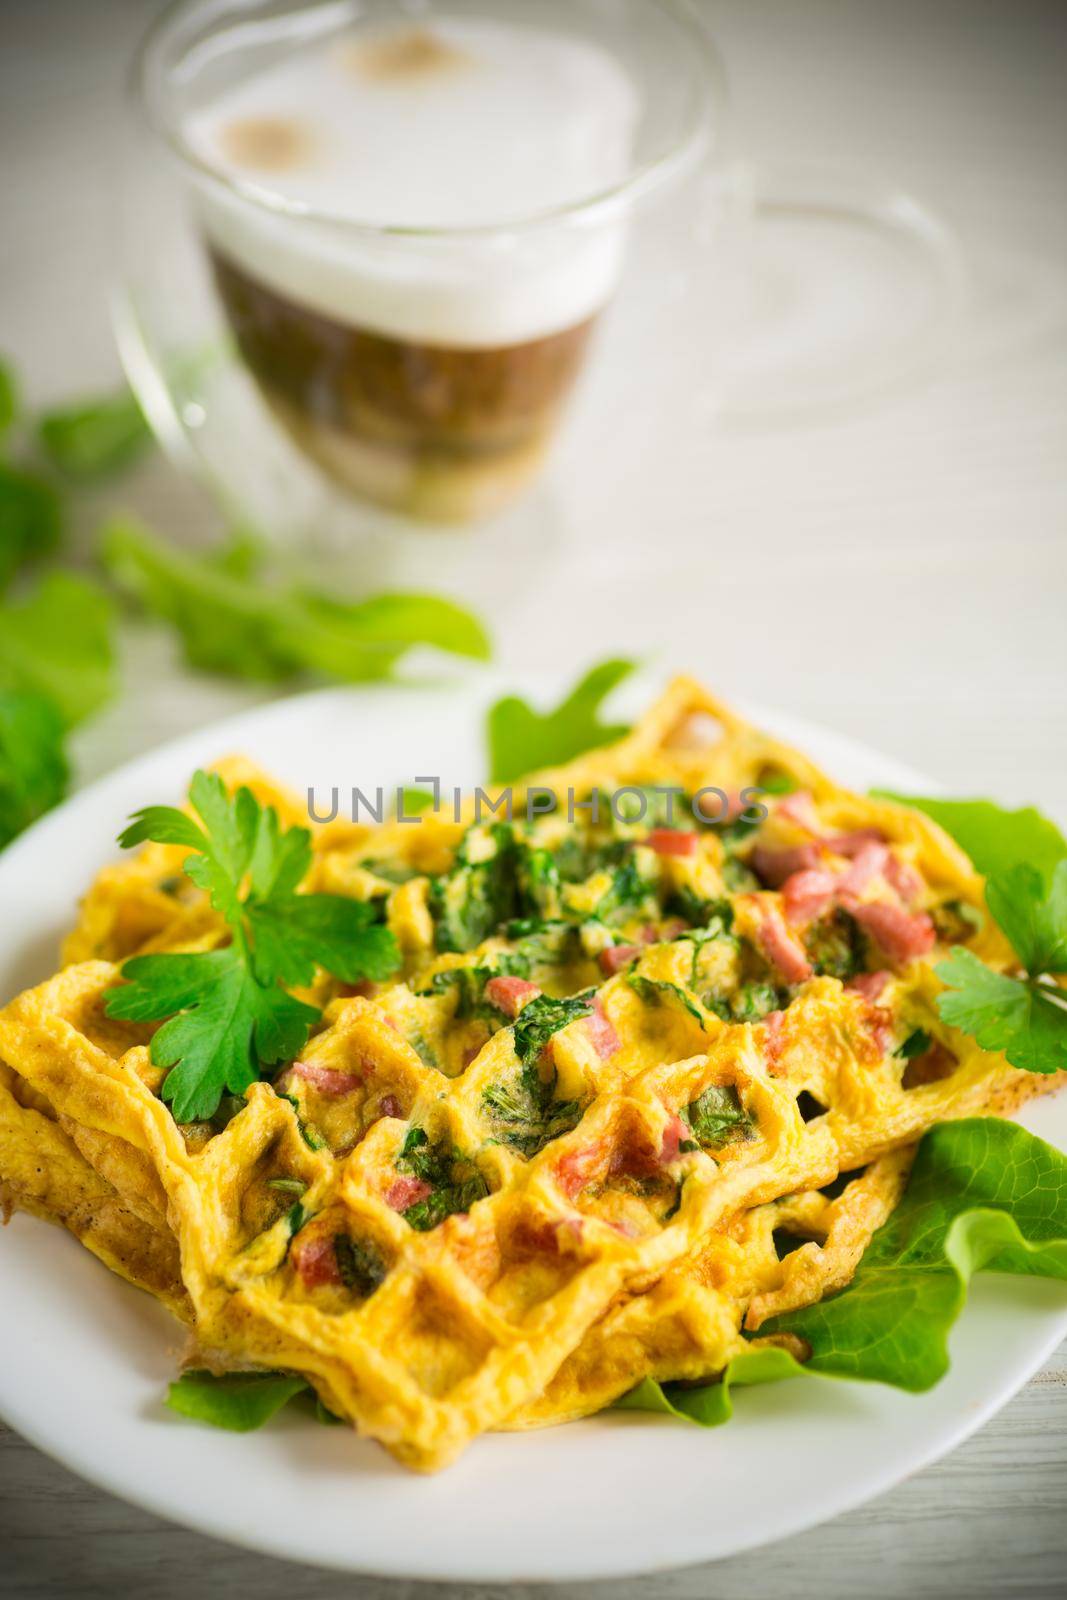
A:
x,y
627,1052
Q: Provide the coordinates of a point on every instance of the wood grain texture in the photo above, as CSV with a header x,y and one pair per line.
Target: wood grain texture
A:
x,y
907,567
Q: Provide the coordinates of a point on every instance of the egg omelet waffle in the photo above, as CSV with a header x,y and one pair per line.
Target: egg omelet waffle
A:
x,y
625,1051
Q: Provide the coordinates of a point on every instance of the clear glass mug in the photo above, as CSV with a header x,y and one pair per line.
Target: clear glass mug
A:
x,y
329,374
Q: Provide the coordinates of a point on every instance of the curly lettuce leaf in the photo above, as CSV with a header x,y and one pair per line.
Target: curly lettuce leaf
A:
x,y
983,1193
995,839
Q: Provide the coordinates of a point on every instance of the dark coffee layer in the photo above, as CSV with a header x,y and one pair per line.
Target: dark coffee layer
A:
x,y
410,412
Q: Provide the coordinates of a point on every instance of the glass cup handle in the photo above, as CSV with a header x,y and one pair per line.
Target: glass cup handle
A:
x,y
811,238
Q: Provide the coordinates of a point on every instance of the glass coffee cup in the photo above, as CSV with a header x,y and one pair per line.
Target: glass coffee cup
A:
x,y
376,253
367,246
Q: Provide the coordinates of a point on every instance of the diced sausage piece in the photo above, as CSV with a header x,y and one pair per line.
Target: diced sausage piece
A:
x,y
315,1260
782,950
799,807
806,894
867,863
675,1135
404,1192
869,984
904,879
773,867
390,1106
605,1040
903,935
617,956
672,842
577,1168
773,1023
850,844
509,994
327,1080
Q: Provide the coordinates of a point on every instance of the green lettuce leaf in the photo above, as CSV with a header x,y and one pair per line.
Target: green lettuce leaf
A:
x,y
995,839
983,1193
237,1401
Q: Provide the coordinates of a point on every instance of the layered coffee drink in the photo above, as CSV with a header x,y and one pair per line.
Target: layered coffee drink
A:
x,y
402,246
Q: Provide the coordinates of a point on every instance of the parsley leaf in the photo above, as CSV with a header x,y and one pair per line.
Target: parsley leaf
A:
x,y
231,621
33,768
994,839
1026,1018
1023,1019
223,1026
229,1016
94,437
522,740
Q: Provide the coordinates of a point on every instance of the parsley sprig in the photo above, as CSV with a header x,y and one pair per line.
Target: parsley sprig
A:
x,y
229,1012
1024,1017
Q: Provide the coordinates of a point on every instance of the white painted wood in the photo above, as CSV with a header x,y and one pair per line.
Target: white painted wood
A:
x,y
900,575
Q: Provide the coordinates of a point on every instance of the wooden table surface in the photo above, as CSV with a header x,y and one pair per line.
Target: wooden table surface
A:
x,y
900,574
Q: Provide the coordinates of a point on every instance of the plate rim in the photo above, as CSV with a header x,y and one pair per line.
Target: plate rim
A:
x,y
75,1456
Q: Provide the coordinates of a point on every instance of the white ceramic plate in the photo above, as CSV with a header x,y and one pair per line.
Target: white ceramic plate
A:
x,y
84,1359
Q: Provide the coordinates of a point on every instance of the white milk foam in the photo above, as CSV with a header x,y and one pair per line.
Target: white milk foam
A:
x,y
473,124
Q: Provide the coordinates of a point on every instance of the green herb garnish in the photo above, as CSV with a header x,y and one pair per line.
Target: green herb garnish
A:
x,y
542,1017
230,1017
455,1182
717,1117
657,991
1026,1017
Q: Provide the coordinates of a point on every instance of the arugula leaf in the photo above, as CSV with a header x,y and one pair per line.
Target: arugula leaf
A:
x,y
543,1016
523,740
94,437
995,839
57,643
33,768
237,1401
230,621
982,1193
229,1017
1025,1020
31,519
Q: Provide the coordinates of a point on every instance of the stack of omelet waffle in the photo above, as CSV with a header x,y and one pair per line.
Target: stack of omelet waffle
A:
x,y
450,1221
